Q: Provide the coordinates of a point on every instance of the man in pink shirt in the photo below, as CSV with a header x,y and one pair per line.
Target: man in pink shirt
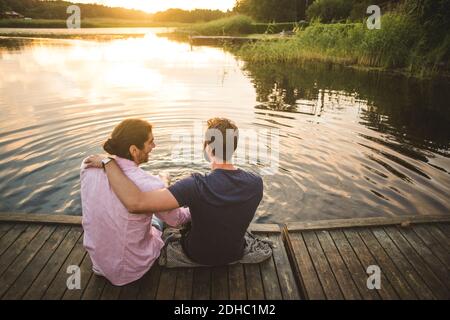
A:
x,y
121,245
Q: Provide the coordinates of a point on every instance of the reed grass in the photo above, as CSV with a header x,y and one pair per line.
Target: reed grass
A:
x,y
394,46
235,25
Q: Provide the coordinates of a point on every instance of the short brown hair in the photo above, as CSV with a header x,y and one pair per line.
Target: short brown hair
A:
x,y
223,125
127,133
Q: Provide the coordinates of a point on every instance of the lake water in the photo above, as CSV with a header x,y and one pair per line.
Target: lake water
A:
x,y
348,143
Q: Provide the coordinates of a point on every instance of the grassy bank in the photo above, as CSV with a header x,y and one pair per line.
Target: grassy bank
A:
x,y
86,23
400,45
237,25
396,46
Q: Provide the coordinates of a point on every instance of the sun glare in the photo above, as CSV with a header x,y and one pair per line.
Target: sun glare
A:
x,y
161,5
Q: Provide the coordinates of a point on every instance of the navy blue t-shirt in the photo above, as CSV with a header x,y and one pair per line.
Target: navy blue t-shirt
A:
x,y
222,205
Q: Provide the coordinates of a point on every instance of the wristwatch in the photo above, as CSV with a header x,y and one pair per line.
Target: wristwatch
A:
x,y
106,161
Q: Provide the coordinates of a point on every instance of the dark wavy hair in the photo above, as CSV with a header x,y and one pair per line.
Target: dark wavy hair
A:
x,y
127,133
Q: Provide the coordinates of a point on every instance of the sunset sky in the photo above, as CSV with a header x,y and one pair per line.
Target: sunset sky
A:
x,y
161,5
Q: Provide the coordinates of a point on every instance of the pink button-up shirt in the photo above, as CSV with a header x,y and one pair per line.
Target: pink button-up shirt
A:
x,y
121,245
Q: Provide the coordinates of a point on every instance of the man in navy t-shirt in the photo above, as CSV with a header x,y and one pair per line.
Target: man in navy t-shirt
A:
x,y
222,203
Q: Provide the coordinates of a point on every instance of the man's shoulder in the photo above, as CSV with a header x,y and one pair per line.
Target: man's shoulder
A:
x,y
144,179
83,165
84,170
254,180
186,184
190,180
251,175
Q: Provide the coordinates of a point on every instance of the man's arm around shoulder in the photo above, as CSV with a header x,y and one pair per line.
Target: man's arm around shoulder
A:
x,y
129,194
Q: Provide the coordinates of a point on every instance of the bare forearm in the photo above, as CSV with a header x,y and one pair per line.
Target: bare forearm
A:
x,y
123,187
131,196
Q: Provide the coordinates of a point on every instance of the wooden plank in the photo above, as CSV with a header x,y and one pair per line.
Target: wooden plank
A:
x,y
149,283
419,264
304,267
356,269
21,262
363,222
292,226
272,289
202,284
85,274
445,228
264,227
367,259
32,270
343,277
387,266
219,283
8,239
411,276
440,236
439,269
271,283
18,246
130,291
75,220
94,288
324,272
40,218
58,286
255,289
286,278
167,283
47,274
4,228
236,282
441,252
183,289
110,292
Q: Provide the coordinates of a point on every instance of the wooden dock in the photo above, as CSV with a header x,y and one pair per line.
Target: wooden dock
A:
x,y
332,257
314,260
220,40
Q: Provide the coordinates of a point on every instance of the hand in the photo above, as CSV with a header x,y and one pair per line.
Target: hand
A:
x,y
94,161
165,177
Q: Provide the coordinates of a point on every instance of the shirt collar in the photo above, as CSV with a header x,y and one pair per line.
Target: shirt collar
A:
x,y
125,163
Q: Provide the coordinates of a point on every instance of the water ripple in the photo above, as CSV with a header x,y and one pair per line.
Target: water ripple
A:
x,y
345,149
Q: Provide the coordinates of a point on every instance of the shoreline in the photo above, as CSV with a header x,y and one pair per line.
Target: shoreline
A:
x,y
86,23
265,49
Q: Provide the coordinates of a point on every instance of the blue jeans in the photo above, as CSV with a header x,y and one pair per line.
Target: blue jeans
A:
x,y
157,223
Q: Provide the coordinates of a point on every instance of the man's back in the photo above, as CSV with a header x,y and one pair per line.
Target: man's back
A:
x,y
222,204
122,246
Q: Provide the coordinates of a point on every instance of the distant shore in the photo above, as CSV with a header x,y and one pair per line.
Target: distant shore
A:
x,y
87,23
350,43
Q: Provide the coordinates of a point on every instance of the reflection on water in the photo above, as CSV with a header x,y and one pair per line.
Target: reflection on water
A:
x,y
352,143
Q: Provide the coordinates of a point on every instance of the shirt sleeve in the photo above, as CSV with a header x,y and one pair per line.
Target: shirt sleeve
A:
x,y
176,217
185,191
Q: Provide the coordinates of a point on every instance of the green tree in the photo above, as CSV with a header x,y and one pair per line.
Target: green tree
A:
x,y
197,15
57,10
434,21
272,10
337,10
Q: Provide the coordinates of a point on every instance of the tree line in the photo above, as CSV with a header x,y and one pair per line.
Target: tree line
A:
x,y
37,9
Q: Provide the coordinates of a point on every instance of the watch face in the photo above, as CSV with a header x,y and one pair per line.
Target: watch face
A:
x,y
105,161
